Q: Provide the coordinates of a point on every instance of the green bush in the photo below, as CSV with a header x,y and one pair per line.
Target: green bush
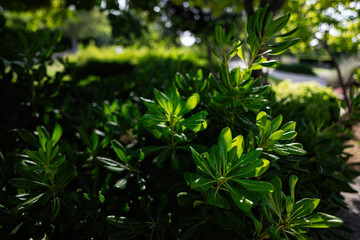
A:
x,y
301,68
163,166
146,67
325,134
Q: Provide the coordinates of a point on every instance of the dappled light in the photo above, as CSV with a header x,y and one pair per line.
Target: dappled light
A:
x,y
176,119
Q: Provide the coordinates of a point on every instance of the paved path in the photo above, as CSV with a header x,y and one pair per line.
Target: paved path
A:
x,y
351,217
295,77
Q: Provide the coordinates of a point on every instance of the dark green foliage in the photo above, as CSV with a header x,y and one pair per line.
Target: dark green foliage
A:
x,y
301,68
206,160
148,69
324,134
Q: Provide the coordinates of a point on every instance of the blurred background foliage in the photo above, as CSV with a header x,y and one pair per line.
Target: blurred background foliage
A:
x,y
129,22
86,63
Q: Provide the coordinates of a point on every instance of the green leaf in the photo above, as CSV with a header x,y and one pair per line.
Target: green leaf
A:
x,y
276,200
288,33
175,161
153,120
224,145
254,169
186,199
55,209
201,163
241,51
250,24
110,164
174,99
275,233
27,183
238,142
195,122
101,197
190,104
214,50
123,222
240,200
214,197
280,47
246,158
304,207
276,135
235,75
291,148
153,107
225,139
35,156
254,186
198,182
292,183
119,150
94,137
58,162
270,63
261,119
163,101
290,126
28,137
29,202
277,25
289,205
318,220
275,124
56,135
121,183
230,34
288,135
16,229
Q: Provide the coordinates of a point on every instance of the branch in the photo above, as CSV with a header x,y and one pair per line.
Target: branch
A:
x,y
336,65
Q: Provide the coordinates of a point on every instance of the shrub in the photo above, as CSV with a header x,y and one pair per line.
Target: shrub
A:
x,y
325,134
301,68
209,165
146,67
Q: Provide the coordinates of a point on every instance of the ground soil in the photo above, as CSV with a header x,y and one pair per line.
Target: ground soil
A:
x,y
351,216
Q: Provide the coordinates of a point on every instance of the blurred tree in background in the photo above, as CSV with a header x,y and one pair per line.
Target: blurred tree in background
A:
x,y
130,19
339,18
83,24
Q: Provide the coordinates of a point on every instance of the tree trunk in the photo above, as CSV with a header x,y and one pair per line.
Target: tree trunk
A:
x,y
274,5
337,68
209,57
74,44
249,8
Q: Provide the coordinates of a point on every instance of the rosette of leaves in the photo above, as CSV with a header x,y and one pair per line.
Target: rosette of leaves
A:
x,y
189,83
236,89
28,54
155,224
45,173
289,219
94,142
122,119
227,171
128,166
166,121
270,135
264,38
